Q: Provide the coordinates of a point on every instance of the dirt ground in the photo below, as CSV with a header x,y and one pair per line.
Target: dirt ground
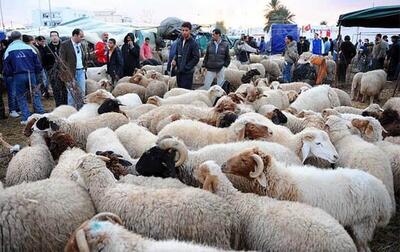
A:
x,y
385,240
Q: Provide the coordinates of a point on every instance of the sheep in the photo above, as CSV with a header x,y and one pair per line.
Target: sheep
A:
x,y
41,215
259,67
130,100
176,92
355,87
295,86
143,139
372,83
58,143
296,125
393,152
67,163
155,88
97,73
152,182
158,68
356,153
134,113
393,103
373,108
344,98
127,88
80,130
367,127
265,222
210,98
98,96
358,200
395,140
109,105
141,80
187,214
31,163
226,119
278,98
171,154
273,113
239,130
234,77
389,119
105,230
272,69
316,99
123,80
92,86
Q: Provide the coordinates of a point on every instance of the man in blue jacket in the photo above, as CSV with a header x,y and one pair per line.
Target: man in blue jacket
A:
x,y
317,45
22,63
186,57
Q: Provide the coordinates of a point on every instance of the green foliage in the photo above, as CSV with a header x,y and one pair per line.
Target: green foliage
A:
x,y
277,13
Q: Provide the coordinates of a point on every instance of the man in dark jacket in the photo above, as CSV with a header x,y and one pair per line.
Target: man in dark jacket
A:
x,y
346,53
130,54
115,64
22,63
186,57
217,57
393,57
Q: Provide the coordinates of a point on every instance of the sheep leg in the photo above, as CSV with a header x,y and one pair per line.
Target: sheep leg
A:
x,y
362,233
363,98
371,99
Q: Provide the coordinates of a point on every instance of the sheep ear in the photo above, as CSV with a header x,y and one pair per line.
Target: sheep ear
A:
x,y
124,162
360,124
305,150
262,180
210,183
54,126
241,133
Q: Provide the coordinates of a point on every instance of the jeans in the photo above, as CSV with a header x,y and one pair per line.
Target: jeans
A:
x,y
21,83
80,81
12,98
210,77
185,80
287,77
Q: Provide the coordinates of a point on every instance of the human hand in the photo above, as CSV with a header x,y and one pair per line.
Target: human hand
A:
x,y
173,63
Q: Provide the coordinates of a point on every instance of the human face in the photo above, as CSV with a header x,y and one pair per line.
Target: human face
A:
x,y
128,38
287,41
185,32
54,38
147,42
78,38
105,37
216,36
42,42
111,45
315,36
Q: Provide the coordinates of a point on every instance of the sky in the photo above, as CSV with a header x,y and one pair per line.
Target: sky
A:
x,y
235,13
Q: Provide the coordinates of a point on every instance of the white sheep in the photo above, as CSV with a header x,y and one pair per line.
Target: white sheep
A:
x,y
105,230
316,99
372,83
92,85
156,88
41,215
130,100
272,225
233,76
136,139
295,86
278,98
32,163
97,73
67,163
392,150
186,214
393,103
355,198
296,124
367,127
272,69
351,110
152,182
158,68
355,86
176,92
344,98
135,113
127,88
356,153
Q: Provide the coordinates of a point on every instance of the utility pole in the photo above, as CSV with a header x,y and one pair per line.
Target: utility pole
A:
x,y
2,20
51,15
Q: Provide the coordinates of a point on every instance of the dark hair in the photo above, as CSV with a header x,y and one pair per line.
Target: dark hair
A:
x,y
385,37
394,37
15,35
347,38
131,35
58,35
262,37
217,31
27,38
290,37
40,38
76,31
112,40
147,38
379,35
187,25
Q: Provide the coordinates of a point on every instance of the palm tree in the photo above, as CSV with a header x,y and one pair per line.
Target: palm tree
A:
x,y
323,22
277,13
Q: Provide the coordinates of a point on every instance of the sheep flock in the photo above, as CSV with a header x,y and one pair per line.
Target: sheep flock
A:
x,y
260,166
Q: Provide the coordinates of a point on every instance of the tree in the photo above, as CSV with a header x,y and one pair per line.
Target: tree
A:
x,y
277,13
221,25
323,22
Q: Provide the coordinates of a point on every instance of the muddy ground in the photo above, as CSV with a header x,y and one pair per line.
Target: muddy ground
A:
x,y
385,240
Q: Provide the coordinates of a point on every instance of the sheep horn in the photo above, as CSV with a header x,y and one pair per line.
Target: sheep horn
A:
x,y
81,241
4,143
172,143
107,216
105,159
259,166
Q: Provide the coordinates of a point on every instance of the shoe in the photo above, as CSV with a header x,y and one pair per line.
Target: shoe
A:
x,y
14,114
24,122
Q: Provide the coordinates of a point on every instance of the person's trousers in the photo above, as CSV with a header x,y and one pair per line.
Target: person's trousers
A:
x,y
12,98
210,76
184,80
287,77
24,83
379,63
80,81
2,109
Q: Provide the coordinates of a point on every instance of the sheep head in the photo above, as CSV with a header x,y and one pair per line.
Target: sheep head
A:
x,y
226,119
237,98
204,176
317,143
109,105
328,112
28,128
106,84
46,124
250,163
98,96
215,92
255,131
253,93
225,104
155,100
115,163
139,79
364,127
59,142
274,114
292,95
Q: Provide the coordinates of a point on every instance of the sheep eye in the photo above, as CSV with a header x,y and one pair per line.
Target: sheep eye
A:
x,y
318,143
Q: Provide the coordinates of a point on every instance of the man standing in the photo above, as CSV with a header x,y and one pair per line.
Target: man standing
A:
x,y
379,52
101,49
130,54
115,63
73,56
145,50
317,45
347,52
53,50
22,63
244,50
394,58
263,47
291,56
41,46
186,57
327,46
217,57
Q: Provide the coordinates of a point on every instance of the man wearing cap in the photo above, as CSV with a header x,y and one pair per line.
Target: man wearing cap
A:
x,y
216,59
22,64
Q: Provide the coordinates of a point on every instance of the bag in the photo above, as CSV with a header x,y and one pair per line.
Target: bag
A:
x,y
305,72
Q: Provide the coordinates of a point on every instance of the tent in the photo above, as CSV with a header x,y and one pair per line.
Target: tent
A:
x,y
278,34
382,17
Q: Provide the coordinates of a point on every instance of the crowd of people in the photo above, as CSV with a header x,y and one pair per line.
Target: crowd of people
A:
x,y
31,66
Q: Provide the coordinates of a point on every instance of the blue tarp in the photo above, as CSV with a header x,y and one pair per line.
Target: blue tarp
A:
x,y
278,34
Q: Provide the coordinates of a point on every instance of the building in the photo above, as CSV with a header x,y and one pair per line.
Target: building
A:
x,y
110,16
58,15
